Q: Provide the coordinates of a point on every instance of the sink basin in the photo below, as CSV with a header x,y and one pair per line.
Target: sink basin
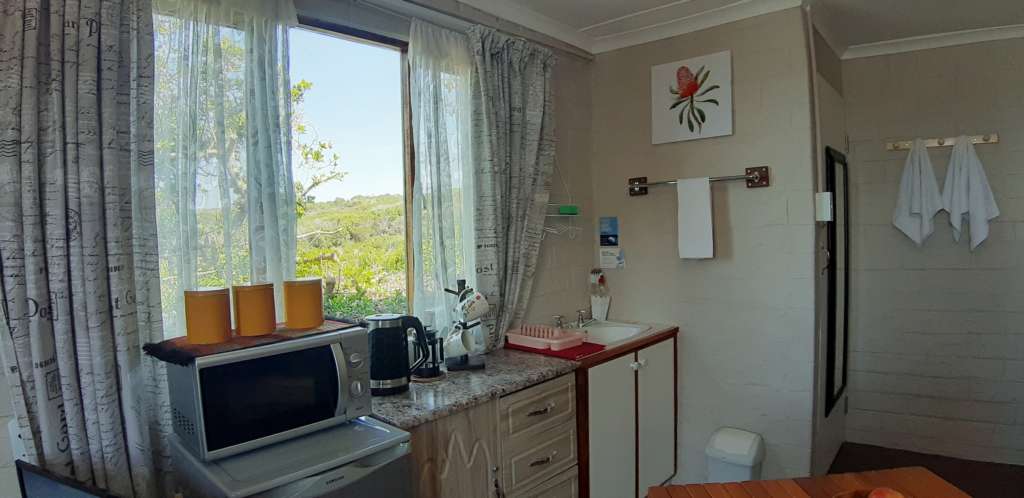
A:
x,y
609,333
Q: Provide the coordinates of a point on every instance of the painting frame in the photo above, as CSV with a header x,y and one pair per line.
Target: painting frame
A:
x,y
691,98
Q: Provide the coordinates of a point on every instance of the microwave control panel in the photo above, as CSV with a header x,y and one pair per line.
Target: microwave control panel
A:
x,y
355,346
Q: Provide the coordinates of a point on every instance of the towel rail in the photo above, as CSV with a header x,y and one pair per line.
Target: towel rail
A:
x,y
756,177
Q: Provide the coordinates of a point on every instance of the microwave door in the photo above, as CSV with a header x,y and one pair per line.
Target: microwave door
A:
x,y
267,399
343,379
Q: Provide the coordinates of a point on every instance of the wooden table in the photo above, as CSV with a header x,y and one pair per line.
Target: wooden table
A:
x,y
917,482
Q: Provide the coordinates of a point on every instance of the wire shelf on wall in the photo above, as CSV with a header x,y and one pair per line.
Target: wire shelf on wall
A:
x,y
561,224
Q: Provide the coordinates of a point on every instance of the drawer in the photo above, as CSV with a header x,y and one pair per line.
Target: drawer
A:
x,y
538,457
537,408
564,485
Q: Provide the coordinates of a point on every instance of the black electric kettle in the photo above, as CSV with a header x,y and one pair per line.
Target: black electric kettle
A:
x,y
389,352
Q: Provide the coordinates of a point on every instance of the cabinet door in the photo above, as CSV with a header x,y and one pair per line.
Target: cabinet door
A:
x,y
612,428
456,455
656,387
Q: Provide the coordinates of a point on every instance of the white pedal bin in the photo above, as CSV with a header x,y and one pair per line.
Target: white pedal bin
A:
x,y
734,455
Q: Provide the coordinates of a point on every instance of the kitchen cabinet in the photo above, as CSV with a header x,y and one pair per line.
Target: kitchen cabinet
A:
x,y
523,445
457,455
612,421
628,422
656,421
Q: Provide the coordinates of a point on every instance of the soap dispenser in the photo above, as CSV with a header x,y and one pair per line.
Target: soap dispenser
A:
x,y
599,298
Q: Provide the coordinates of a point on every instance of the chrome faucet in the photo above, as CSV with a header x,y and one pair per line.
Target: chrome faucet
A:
x,y
559,321
581,318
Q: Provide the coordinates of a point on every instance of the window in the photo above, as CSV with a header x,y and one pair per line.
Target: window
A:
x,y
349,166
347,171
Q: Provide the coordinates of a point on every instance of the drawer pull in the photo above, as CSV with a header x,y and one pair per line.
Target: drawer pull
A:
x,y
543,461
542,411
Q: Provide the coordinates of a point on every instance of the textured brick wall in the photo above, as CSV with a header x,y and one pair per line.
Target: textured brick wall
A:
x,y
746,317
937,335
561,283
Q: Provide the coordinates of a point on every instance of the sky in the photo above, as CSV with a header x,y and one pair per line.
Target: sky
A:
x,y
356,103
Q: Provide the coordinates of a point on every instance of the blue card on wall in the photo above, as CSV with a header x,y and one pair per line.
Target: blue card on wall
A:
x,y
609,231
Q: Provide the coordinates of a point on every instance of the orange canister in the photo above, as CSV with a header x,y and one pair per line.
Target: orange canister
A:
x,y
207,315
254,309
303,303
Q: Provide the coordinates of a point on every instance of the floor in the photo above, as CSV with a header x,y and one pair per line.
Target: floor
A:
x,y
978,479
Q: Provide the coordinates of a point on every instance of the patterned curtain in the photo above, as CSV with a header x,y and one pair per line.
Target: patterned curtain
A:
x,y
78,253
514,154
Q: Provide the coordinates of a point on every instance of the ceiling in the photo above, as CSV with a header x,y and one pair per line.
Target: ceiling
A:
x,y
602,25
858,22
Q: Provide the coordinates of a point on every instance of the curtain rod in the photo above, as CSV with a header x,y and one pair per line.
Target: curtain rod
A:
x,y
565,47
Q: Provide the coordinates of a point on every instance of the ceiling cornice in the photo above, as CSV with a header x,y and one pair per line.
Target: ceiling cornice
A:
x,y
741,9
534,20
688,24
934,41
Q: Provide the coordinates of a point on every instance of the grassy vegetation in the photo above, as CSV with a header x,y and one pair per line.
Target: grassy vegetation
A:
x,y
358,247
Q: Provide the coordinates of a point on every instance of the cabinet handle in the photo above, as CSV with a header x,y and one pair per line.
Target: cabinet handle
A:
x,y
543,461
498,492
542,411
637,365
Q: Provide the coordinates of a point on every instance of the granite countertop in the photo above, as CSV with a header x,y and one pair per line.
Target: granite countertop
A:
x,y
507,371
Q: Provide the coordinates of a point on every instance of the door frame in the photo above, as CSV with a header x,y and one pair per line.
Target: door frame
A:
x,y
835,164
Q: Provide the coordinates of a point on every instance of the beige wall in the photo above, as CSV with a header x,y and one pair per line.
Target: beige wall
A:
x,y
937,347
746,317
560,285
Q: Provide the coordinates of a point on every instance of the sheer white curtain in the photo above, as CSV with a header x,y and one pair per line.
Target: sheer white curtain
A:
x,y
441,66
225,195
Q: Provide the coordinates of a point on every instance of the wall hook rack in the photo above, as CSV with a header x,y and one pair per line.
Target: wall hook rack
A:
x,y
991,138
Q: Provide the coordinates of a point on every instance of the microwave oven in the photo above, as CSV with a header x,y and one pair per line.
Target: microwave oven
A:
x,y
228,403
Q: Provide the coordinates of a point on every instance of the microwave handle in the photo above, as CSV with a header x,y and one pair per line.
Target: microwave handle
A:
x,y
342,366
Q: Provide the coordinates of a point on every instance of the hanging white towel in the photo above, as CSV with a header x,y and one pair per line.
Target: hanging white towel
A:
x,y
919,200
696,230
967,194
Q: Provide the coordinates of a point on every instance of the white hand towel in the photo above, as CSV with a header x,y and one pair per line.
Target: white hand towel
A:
x,y
919,200
967,194
696,230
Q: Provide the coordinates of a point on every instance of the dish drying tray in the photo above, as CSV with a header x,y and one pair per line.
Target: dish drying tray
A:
x,y
544,337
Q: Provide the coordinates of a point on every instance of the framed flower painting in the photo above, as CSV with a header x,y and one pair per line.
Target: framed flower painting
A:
x,y
692,98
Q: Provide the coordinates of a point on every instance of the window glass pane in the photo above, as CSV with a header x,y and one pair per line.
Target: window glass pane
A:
x,y
349,171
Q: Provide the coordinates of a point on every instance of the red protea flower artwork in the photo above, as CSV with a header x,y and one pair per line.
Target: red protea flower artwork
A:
x,y
688,93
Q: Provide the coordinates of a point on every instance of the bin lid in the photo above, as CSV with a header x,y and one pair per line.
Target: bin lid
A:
x,y
736,446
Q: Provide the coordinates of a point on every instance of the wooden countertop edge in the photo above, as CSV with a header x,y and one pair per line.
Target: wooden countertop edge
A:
x,y
626,348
